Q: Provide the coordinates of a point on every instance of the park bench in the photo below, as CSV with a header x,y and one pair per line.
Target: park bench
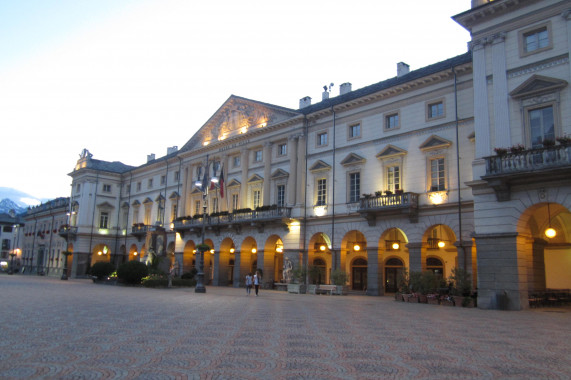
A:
x,y
326,288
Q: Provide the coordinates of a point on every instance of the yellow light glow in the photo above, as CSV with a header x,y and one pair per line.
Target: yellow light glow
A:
x,y
279,249
441,244
232,250
356,247
254,250
243,130
262,125
211,251
320,210
194,251
322,247
436,198
550,232
222,137
206,143
135,253
99,253
396,245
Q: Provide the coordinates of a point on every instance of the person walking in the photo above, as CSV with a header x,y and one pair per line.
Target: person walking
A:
x,y
249,281
257,282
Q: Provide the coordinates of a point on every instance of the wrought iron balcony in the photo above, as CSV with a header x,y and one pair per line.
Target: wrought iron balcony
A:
x,y
254,218
140,230
391,204
527,166
67,232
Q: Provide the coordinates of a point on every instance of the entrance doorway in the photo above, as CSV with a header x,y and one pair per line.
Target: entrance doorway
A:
x,y
393,269
359,275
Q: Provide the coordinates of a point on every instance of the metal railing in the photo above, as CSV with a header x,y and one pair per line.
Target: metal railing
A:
x,y
389,201
529,160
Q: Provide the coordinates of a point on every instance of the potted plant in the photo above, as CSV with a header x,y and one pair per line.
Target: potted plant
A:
x,y
515,149
548,143
564,140
500,152
462,286
298,286
339,278
388,192
403,284
378,193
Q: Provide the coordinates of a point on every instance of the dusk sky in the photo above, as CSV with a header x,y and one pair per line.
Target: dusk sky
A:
x,y
126,78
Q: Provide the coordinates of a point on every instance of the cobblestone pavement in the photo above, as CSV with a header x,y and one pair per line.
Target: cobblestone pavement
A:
x,y
75,329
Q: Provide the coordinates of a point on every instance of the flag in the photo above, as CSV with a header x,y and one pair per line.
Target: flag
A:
x,y
204,179
222,183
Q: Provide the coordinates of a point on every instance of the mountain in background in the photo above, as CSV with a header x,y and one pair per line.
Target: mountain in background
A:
x,y
12,199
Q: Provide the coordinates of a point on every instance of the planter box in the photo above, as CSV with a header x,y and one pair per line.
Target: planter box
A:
x,y
433,301
423,298
296,288
311,289
446,302
413,299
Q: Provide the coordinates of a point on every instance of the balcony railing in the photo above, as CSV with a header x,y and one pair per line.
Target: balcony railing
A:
x,y
67,232
257,218
529,160
390,204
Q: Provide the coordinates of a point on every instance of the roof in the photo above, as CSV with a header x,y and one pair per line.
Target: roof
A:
x,y
112,167
371,89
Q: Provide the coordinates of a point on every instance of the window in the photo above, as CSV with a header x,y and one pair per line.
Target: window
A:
x,y
236,161
435,110
393,178
256,197
77,188
437,178
354,131
280,195
106,188
138,186
354,187
174,213
150,183
321,192
534,40
542,126
282,149
163,179
322,139
128,189
197,208
392,121
177,175
258,156
161,211
235,204
104,220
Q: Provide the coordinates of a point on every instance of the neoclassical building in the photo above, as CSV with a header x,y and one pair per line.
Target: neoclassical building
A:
x,y
399,174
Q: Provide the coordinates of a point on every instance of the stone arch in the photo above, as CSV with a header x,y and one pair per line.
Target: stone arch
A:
x,y
246,260
359,268
226,261
188,256
354,244
273,260
438,241
320,249
133,252
100,253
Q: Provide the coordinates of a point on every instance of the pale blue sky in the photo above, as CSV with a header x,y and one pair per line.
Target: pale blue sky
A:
x,y
126,78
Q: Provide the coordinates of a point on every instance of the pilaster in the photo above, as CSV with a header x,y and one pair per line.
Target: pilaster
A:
x,y
244,162
293,173
416,256
481,111
500,91
267,156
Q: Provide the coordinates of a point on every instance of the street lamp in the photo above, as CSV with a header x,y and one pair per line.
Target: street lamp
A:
x,y
15,250
66,253
204,185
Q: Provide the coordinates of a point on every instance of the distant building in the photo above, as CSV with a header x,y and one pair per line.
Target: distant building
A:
x,y
401,174
11,238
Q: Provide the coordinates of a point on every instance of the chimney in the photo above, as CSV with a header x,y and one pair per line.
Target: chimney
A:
x,y
325,95
172,149
345,88
150,157
402,69
304,102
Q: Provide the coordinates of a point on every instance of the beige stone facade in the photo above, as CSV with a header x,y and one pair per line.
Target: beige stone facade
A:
x,y
398,174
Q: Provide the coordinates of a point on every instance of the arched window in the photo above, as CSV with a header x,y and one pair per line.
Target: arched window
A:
x,y
435,265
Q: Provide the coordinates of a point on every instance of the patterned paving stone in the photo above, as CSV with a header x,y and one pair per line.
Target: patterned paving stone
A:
x,y
55,329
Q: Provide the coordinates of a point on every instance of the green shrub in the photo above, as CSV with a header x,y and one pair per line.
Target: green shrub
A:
x,y
189,275
132,272
339,277
102,270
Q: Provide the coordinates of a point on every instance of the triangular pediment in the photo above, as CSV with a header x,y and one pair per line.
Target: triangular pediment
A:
x,y
435,142
255,178
233,183
105,205
236,117
147,201
196,190
136,203
537,84
174,195
280,174
391,151
125,205
353,159
159,198
319,165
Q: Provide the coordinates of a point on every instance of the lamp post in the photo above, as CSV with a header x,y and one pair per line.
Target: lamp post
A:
x,y
204,185
15,250
66,253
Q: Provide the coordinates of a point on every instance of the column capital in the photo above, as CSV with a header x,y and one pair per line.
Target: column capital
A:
x,y
566,14
497,38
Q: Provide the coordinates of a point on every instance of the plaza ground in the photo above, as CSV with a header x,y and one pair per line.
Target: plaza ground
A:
x,y
53,329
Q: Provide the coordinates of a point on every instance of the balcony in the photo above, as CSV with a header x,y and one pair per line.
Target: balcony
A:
x,y
525,167
216,222
389,205
67,232
140,230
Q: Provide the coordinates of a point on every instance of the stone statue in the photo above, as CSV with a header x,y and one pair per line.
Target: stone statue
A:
x,y
288,267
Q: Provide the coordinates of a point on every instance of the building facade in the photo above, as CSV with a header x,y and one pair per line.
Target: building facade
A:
x,y
11,236
399,174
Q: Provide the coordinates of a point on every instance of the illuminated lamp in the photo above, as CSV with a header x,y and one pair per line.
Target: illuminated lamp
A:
x,y
254,250
550,231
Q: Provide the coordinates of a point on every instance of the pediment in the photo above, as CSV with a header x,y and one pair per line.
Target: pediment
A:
x,y
125,205
319,165
435,142
196,190
280,174
147,201
174,195
255,178
136,203
353,159
105,205
391,151
238,116
537,84
159,198
233,183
